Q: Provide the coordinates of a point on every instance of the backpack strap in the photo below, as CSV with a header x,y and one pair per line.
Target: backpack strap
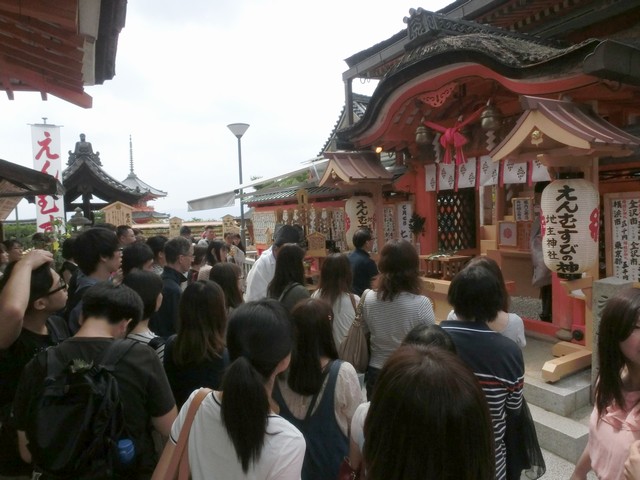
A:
x,y
156,342
116,351
58,329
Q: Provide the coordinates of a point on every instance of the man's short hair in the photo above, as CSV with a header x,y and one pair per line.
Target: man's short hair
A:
x,y
122,230
288,234
184,230
114,303
209,227
175,247
93,244
362,236
157,243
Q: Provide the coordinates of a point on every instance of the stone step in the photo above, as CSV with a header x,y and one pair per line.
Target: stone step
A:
x,y
565,437
562,398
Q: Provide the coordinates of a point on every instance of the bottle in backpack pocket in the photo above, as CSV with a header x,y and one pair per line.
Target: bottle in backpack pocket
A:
x,y
126,451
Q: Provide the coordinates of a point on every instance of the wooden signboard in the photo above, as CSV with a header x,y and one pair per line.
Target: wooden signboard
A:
x,y
524,235
118,213
622,235
317,245
522,209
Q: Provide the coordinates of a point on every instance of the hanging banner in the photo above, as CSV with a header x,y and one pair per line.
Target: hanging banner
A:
x,y
514,172
45,142
446,176
431,177
359,213
539,172
488,171
405,210
467,174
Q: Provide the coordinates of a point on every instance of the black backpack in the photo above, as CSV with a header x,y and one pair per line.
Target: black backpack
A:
x,y
75,422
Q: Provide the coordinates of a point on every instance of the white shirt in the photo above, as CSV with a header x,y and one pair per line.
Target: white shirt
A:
x,y
343,315
212,455
260,276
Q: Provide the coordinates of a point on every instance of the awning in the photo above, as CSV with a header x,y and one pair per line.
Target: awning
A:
x,y
353,168
561,131
227,199
18,182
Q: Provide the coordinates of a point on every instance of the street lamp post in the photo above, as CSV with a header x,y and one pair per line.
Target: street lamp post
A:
x,y
238,130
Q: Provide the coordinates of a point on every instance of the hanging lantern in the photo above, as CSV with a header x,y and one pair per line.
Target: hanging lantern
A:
x,y
490,118
423,135
569,220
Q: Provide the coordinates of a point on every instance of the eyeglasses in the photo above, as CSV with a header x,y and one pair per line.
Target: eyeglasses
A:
x,y
62,285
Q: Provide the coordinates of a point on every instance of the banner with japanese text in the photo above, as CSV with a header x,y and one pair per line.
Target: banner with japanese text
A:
x,y
45,142
405,210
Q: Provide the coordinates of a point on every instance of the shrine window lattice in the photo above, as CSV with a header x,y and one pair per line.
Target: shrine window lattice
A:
x,y
456,220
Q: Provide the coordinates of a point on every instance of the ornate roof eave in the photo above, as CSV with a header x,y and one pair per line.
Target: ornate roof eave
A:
x,y
447,59
555,131
352,168
85,173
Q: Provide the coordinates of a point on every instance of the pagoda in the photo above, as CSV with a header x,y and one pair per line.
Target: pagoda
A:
x,y
89,187
143,213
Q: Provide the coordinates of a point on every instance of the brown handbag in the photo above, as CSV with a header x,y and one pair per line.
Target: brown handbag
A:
x,y
347,472
355,347
179,465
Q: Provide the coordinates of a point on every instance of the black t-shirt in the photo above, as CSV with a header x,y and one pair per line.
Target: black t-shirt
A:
x,y
184,379
143,385
12,362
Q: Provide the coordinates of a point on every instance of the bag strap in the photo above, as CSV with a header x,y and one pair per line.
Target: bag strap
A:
x,y
314,400
116,351
360,306
180,458
353,302
156,342
286,291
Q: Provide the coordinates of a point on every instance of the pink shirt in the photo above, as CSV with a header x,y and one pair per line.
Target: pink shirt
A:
x,y
610,439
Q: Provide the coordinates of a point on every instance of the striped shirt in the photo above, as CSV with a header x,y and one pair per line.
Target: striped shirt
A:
x,y
390,321
498,364
146,337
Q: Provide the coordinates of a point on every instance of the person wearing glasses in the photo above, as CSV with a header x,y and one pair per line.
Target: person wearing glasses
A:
x,y
31,292
178,253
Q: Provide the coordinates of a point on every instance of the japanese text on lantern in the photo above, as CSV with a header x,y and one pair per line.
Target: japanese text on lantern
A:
x,y
46,159
561,226
362,213
625,238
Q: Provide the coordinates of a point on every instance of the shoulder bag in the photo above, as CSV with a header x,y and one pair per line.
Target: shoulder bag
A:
x,y
179,465
355,347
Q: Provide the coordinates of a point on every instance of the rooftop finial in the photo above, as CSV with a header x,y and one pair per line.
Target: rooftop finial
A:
x,y
130,153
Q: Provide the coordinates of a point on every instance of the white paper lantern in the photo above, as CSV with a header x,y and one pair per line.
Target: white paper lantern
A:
x,y
569,220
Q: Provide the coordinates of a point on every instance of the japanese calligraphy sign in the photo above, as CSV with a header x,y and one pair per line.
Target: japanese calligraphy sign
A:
x,y
446,176
622,235
45,142
359,213
569,221
522,209
405,210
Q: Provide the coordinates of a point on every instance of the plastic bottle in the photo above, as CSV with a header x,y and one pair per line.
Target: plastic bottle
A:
x,y
126,451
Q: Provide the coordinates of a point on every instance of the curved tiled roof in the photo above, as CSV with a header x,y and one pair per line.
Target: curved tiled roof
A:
x,y
133,182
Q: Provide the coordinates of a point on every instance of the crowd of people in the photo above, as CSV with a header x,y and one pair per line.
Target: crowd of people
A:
x,y
435,401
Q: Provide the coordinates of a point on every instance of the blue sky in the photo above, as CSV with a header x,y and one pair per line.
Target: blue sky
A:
x,y
184,70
